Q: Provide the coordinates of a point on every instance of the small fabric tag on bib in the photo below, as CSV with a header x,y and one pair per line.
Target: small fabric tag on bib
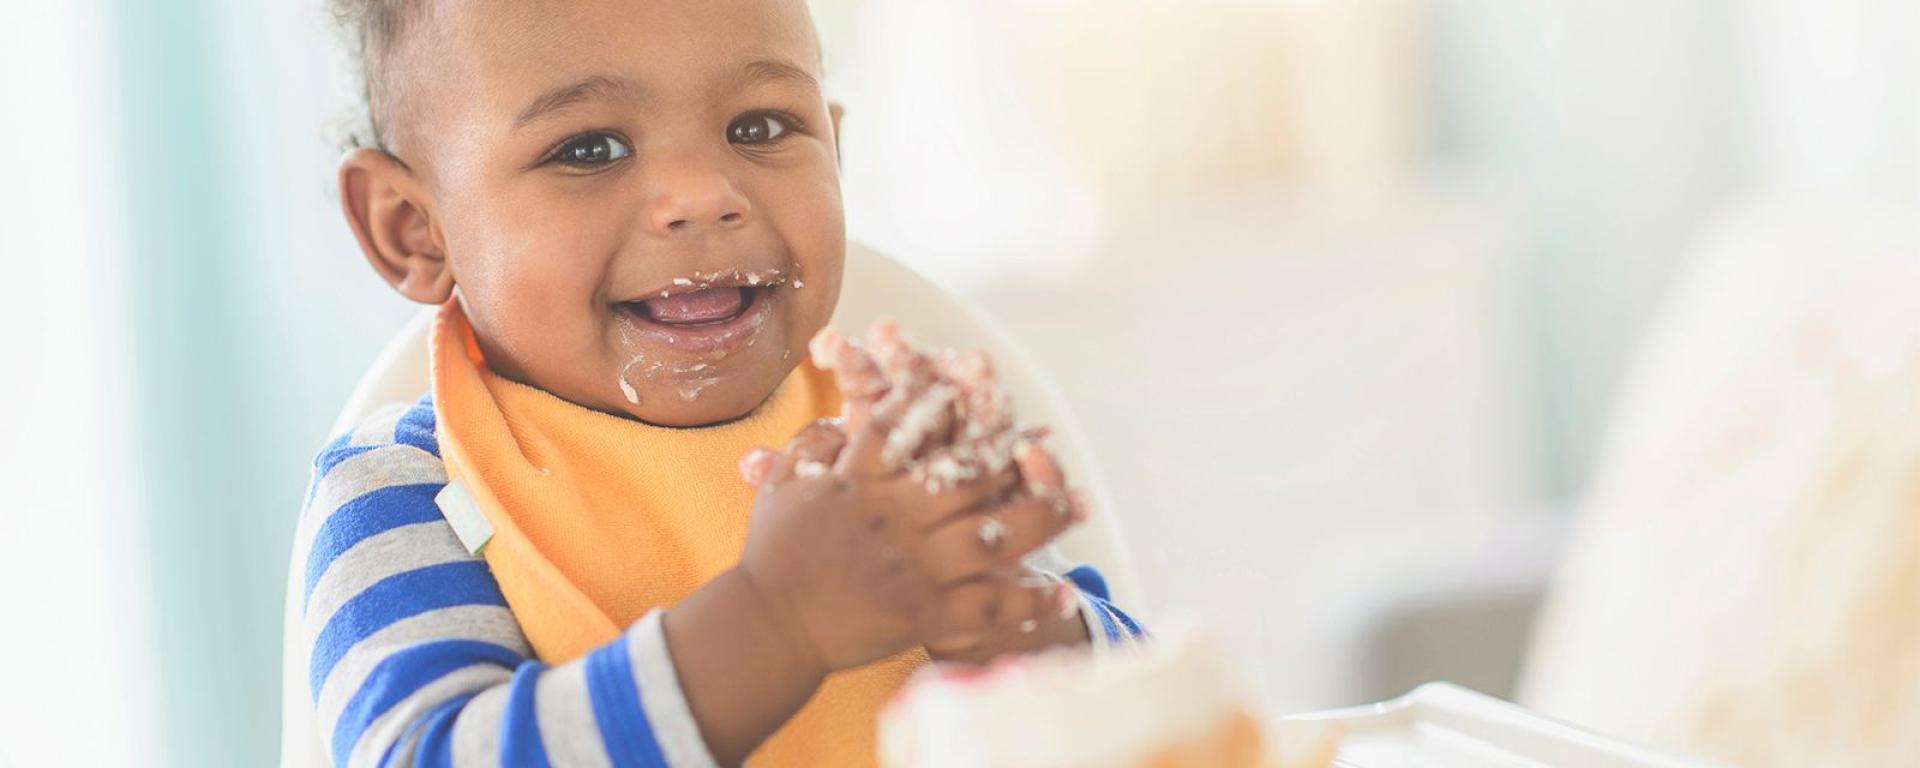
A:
x,y
457,504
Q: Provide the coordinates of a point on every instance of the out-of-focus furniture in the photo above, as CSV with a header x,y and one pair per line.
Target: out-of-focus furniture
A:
x,y
1465,616
1442,725
1744,581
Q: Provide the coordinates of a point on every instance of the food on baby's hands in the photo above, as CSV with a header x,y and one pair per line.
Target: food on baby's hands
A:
x,y
908,517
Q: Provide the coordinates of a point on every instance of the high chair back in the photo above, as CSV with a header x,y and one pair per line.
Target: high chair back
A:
x,y
875,287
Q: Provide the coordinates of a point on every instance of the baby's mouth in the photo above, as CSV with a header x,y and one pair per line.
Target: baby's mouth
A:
x,y
680,334
697,308
708,319
705,298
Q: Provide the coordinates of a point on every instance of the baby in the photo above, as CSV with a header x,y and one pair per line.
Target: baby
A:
x,y
629,214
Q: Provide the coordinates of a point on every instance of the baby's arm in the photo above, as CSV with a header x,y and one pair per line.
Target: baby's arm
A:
x,y
415,657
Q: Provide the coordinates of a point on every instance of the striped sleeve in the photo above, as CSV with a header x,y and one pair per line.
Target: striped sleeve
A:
x,y
1108,627
413,655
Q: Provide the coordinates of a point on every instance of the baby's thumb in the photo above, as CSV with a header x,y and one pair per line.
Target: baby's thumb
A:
x,y
1038,468
757,465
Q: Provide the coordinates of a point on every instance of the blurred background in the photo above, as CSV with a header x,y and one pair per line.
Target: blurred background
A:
x,y
1390,323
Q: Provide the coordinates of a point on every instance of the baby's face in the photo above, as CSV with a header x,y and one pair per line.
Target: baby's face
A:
x,y
639,201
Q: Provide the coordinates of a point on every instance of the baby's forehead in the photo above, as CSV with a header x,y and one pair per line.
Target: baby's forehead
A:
x,y
496,55
664,40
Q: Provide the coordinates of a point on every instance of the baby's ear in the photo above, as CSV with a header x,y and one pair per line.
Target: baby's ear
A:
x,y
390,211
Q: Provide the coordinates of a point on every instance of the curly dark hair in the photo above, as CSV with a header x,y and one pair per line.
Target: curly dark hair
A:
x,y
370,28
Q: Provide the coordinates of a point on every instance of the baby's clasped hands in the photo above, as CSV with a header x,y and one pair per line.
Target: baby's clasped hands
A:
x,y
905,522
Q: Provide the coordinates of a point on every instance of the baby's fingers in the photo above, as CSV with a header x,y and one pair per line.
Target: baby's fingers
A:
x,y
986,409
863,384
903,362
918,409
763,467
859,377
965,615
1038,468
968,545
809,454
962,477
816,447
756,466
983,618
884,437
914,426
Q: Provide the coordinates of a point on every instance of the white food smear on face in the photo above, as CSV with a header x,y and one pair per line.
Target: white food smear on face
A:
x,y
690,387
691,390
626,388
705,280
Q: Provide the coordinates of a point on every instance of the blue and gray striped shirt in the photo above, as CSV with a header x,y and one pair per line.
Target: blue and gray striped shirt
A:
x,y
415,659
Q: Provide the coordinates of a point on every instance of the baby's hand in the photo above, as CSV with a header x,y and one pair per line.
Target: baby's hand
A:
x,y
946,423
859,567
1056,622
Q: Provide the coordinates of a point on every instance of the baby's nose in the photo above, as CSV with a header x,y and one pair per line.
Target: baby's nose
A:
x,y
693,197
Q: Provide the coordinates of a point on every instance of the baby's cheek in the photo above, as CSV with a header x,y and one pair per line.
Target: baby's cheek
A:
x,y
538,322
807,312
816,290
552,306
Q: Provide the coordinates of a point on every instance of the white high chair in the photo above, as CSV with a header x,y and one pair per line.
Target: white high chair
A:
x,y
875,286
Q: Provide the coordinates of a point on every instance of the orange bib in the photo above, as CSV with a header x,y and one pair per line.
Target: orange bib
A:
x,y
599,519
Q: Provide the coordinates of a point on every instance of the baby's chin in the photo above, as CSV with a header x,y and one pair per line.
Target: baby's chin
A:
x,y
670,389
705,402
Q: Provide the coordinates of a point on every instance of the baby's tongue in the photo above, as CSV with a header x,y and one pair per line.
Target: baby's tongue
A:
x,y
697,307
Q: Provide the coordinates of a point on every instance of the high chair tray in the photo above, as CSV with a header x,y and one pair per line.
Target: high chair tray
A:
x,y
1441,725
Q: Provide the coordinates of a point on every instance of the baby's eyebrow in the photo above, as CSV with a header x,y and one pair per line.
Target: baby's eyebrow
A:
x,y
557,99
771,71
585,89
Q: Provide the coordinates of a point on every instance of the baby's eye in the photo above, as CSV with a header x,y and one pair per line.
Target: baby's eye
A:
x,y
592,150
758,128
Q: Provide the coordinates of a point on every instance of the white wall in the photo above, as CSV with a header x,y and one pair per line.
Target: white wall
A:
x,y
78,684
